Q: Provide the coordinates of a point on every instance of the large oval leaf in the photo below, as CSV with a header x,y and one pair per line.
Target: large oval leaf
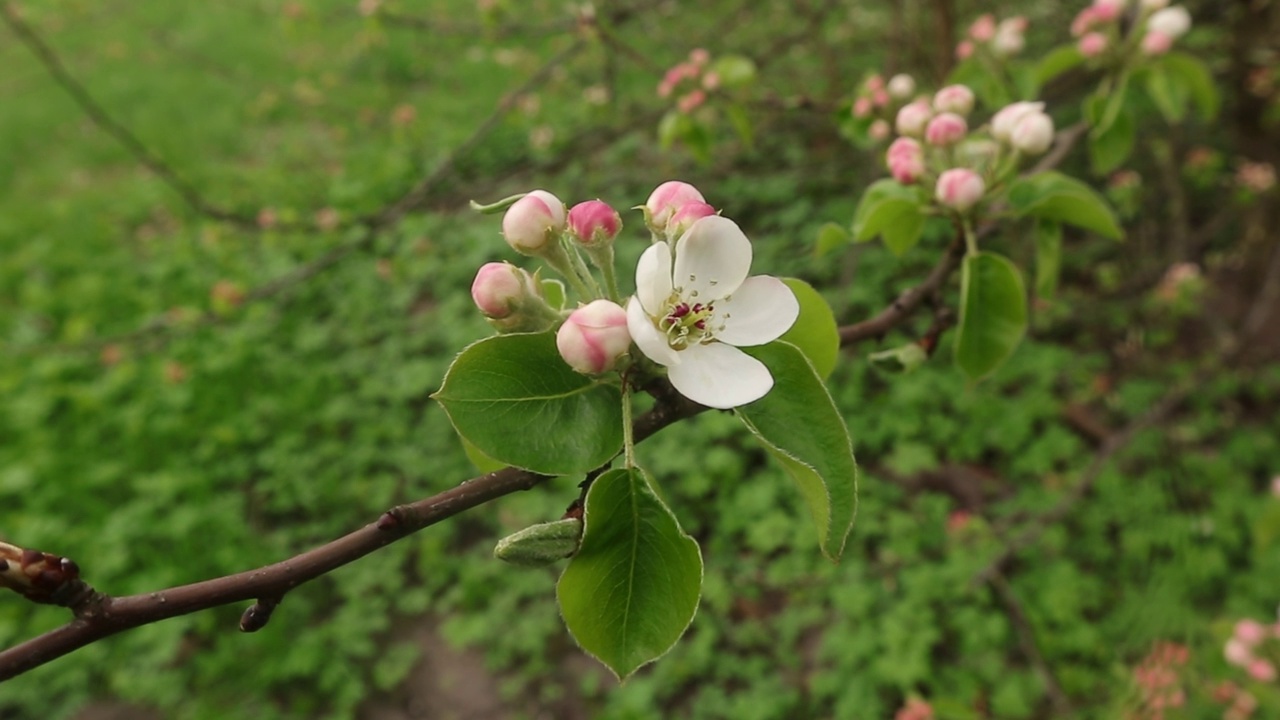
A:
x,y
1054,196
633,588
801,427
892,210
993,313
516,401
815,331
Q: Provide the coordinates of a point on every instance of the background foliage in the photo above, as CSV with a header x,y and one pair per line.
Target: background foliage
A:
x,y
233,432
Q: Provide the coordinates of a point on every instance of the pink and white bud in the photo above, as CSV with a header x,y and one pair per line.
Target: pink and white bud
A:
x,y
945,130
699,56
960,189
1250,632
1084,21
964,50
1033,134
1153,5
1093,44
913,117
711,80
594,223
1172,21
1154,43
1004,121
594,336
862,107
665,200
901,86
1261,670
1108,10
1237,653
684,218
984,28
691,100
499,288
880,97
533,221
874,83
1010,38
879,130
956,99
905,159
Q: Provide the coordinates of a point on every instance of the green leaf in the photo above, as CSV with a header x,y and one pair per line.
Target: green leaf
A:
x,y
516,401
741,122
1102,110
993,313
1167,92
672,127
734,70
1059,60
542,544
831,236
483,463
1194,75
815,332
553,291
1054,196
1109,149
801,427
1048,257
899,360
892,210
633,588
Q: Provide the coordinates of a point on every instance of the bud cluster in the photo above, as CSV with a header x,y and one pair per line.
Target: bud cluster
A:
x,y
936,144
690,81
1255,648
1152,27
877,102
998,40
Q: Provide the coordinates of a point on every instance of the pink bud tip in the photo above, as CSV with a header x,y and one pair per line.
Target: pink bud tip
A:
x,y
1093,44
594,222
594,336
533,221
905,159
960,189
666,199
497,289
945,130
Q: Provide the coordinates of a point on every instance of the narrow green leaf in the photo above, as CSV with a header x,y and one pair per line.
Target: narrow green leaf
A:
x,y
831,236
993,313
1054,196
890,209
633,587
1194,75
801,427
1048,257
741,122
815,332
1102,111
1109,149
1168,93
518,403
1059,60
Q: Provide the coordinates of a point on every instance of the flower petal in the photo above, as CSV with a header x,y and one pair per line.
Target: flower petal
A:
x,y
712,259
759,311
647,337
653,278
720,376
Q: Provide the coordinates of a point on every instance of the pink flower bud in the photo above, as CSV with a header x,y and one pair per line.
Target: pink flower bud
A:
x,y
901,86
1275,491
874,83
1009,39
1172,21
1155,43
691,100
1250,632
711,80
498,289
880,97
1237,653
964,50
1004,121
684,218
533,221
960,189
913,117
984,28
945,130
879,130
666,199
1261,670
594,336
956,99
1093,44
594,223
1083,21
1107,10
905,159
862,107
1033,134
699,56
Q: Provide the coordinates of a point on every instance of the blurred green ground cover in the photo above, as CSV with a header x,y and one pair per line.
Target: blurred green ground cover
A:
x,y
223,446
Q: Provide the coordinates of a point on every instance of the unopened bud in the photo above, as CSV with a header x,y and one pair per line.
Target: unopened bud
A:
x,y
1172,21
905,160
665,200
1033,134
964,50
1107,10
879,130
594,223
945,130
594,336
1093,44
862,107
956,99
984,28
1009,39
912,118
1004,121
533,221
901,86
960,189
1155,43
499,289
684,218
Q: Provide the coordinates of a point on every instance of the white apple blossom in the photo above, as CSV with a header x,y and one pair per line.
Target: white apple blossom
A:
x,y
692,312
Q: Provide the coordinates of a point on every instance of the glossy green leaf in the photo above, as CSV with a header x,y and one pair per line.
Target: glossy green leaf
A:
x,y
993,313
1102,110
1168,93
831,236
1054,196
1048,257
815,332
1109,149
633,587
891,210
483,463
1194,75
1058,61
801,427
518,403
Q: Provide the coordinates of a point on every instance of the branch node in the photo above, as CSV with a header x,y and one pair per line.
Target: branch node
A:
x,y
390,520
257,615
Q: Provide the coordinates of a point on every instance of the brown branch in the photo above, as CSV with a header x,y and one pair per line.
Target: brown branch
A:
x,y
906,303
99,616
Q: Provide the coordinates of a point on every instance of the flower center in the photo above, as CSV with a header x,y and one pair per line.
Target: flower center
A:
x,y
687,324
